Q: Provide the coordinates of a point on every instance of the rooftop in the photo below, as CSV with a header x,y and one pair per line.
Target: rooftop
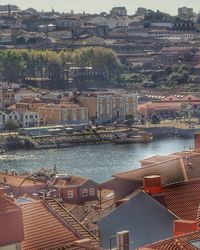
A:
x,y
42,229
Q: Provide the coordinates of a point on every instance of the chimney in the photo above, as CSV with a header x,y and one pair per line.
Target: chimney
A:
x,y
2,192
184,226
197,141
152,184
123,240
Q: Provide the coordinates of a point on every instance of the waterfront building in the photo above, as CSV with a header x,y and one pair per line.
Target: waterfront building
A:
x,y
9,115
53,114
29,119
109,108
65,113
169,107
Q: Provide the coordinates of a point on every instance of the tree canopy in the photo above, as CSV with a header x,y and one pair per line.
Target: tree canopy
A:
x,y
20,64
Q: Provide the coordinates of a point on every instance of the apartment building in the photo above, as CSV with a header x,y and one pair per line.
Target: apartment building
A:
x,y
7,96
185,13
110,108
62,114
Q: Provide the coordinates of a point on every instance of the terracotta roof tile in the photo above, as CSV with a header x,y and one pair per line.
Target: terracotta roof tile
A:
x,y
73,181
182,242
171,171
182,199
14,180
11,223
71,221
42,230
7,206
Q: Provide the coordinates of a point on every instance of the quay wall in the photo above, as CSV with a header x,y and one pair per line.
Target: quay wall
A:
x,y
159,132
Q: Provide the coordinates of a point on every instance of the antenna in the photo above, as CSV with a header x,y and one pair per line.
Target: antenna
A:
x,y
9,10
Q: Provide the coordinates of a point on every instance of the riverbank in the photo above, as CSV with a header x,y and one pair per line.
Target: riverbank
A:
x,y
96,137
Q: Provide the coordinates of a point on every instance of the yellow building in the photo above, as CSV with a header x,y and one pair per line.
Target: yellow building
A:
x,y
109,108
53,114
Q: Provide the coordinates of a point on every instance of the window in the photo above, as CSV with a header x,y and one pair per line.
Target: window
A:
x,y
85,192
91,191
70,194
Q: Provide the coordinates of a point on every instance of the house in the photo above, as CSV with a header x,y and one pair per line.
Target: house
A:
x,y
11,226
24,226
144,218
19,185
29,119
8,115
74,189
45,229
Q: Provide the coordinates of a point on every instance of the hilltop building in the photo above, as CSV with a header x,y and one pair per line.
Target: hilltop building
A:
x,y
185,13
118,11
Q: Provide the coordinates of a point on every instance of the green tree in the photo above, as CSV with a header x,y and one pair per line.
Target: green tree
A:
x,y
129,120
155,119
11,125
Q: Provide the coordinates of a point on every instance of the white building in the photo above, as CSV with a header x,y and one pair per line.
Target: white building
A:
x,y
9,115
29,119
116,108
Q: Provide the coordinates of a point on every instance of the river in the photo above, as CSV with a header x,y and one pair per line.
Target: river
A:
x,y
97,162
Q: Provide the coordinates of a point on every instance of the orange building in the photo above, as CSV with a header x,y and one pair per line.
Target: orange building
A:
x,y
52,114
169,106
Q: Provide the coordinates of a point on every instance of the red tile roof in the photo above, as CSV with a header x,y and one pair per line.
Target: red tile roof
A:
x,y
176,243
72,181
42,229
11,223
14,180
171,171
182,199
185,166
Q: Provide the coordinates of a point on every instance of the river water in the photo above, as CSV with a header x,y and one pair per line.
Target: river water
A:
x,y
97,162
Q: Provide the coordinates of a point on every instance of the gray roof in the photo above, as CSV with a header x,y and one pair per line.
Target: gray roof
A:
x,y
146,220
